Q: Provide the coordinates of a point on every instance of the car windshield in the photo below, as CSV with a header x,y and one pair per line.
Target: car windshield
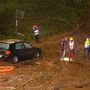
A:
x,y
4,46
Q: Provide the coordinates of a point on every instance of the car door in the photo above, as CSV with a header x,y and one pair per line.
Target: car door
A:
x,y
29,50
20,50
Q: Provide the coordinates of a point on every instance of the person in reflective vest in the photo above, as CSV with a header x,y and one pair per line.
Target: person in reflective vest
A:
x,y
87,47
72,47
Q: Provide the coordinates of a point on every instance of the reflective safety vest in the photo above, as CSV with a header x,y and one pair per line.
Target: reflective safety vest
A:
x,y
71,45
87,44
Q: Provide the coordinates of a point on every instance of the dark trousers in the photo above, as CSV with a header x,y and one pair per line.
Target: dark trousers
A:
x,y
37,38
87,52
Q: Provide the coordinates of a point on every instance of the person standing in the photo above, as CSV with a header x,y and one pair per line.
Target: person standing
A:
x,y
36,33
63,47
72,47
87,47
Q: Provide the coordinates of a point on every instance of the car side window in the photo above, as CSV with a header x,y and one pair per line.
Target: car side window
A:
x,y
19,46
27,45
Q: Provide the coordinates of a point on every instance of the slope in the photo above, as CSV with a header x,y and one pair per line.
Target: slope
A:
x,y
52,16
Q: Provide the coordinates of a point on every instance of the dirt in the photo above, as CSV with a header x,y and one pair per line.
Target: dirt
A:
x,y
50,73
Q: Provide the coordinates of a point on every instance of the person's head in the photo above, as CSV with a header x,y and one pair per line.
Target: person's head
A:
x,y
34,26
62,39
71,39
66,38
87,39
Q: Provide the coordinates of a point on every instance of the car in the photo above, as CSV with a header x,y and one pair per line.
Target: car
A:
x,y
15,50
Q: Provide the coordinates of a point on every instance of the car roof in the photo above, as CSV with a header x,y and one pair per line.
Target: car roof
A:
x,y
10,41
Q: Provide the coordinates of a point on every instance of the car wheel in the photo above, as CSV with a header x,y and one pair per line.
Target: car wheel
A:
x,y
15,59
37,55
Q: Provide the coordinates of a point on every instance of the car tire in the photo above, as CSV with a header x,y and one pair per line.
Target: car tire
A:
x,y
15,59
37,55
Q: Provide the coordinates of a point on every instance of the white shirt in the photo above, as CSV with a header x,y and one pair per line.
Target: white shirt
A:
x,y
36,32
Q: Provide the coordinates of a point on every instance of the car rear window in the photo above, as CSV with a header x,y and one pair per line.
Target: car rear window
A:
x,y
4,46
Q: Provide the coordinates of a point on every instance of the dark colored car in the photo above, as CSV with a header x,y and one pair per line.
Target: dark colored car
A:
x,y
15,50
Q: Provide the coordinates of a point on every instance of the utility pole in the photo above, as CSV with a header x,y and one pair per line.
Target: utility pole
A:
x,y
16,18
19,14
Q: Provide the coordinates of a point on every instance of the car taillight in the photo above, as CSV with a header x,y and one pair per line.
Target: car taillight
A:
x,y
7,52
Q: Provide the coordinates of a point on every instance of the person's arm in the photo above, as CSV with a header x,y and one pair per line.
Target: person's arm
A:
x,y
75,44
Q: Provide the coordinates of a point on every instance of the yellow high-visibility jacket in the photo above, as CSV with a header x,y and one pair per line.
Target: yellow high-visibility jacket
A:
x,y
87,43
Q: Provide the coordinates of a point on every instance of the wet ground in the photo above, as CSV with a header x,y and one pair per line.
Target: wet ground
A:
x,y
47,75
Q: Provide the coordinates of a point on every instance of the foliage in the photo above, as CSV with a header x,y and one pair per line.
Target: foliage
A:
x,y
52,15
